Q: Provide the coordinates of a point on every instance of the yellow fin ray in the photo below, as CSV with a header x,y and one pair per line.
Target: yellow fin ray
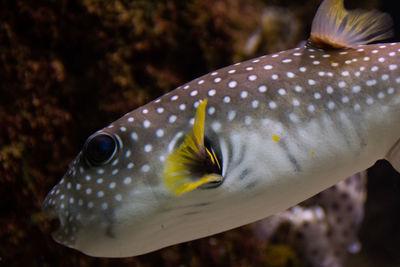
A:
x,y
183,171
334,26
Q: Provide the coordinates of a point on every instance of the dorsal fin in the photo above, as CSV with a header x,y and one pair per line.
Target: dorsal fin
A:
x,y
335,27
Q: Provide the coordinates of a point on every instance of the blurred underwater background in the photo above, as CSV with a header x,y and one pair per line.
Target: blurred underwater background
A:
x,y
69,68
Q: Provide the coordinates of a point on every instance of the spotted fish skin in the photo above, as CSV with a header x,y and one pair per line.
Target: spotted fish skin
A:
x,y
278,122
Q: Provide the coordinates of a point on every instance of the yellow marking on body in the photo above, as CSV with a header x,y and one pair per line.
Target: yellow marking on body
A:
x,y
312,153
178,175
275,138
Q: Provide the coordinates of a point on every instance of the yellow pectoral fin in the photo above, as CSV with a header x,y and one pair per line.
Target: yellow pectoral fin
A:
x,y
183,167
189,186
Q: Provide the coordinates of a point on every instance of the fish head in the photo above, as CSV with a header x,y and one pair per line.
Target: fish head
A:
x,y
119,194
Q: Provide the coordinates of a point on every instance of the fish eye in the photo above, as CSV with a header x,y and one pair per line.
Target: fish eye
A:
x,y
99,149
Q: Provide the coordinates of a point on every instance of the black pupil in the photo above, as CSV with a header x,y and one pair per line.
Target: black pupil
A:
x,y
100,149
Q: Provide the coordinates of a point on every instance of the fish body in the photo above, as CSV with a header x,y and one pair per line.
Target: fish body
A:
x,y
232,147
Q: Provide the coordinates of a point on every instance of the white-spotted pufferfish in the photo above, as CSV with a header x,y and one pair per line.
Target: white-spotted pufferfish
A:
x,y
238,144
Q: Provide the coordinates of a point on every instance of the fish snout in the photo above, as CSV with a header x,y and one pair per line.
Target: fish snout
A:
x,y
56,209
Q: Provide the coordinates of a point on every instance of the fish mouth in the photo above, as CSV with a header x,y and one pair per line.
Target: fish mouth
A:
x,y
51,215
59,226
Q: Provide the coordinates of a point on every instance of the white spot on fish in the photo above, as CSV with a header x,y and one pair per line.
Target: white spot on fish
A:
x,y
134,135
160,133
172,118
226,99
374,68
216,126
302,69
282,91
145,168
148,148
345,73
127,180
331,105
356,88
262,88
252,77
254,103
231,115
267,67
232,84
146,124
298,88
293,117
370,82
217,80
290,74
